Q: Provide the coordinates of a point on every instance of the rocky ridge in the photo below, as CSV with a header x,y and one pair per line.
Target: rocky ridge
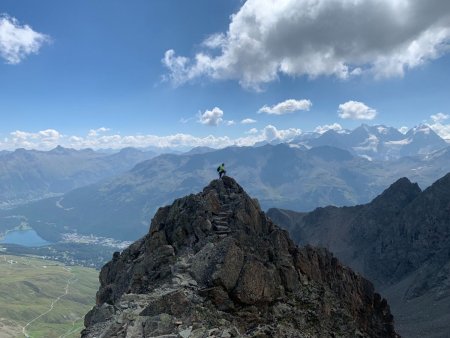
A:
x,y
213,265
400,241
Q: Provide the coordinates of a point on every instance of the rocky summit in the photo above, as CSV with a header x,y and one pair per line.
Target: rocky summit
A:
x,y
213,265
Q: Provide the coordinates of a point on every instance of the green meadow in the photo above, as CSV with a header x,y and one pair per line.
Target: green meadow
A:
x,y
44,299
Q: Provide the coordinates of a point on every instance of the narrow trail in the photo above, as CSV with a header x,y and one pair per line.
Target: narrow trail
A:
x,y
70,280
73,330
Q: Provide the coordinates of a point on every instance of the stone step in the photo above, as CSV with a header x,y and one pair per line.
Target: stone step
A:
x,y
223,232
180,269
225,213
220,218
221,228
220,222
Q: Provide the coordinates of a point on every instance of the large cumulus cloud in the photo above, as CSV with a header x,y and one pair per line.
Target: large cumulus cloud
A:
x,y
341,38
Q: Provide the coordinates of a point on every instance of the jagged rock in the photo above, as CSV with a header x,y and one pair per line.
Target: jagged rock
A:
x,y
103,313
400,240
186,278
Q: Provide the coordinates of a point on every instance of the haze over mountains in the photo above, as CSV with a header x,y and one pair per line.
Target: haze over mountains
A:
x,y
31,174
289,176
400,241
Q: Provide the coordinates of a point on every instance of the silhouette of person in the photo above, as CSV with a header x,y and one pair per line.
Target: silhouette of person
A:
x,y
221,170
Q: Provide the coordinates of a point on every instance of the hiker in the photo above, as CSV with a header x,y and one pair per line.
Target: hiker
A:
x,y
221,170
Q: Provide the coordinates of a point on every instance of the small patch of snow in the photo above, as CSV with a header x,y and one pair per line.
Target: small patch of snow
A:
x,y
382,130
400,142
367,157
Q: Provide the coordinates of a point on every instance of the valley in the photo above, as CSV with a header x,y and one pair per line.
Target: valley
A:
x,y
282,175
43,299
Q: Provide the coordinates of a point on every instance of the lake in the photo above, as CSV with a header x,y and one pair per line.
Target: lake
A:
x,y
24,237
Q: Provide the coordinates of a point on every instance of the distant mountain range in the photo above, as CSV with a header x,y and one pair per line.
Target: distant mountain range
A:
x,y
400,241
285,176
378,142
27,175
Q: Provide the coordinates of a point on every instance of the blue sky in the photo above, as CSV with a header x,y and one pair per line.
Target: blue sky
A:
x,y
176,73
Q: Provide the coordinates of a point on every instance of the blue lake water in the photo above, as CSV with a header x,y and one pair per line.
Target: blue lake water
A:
x,y
24,237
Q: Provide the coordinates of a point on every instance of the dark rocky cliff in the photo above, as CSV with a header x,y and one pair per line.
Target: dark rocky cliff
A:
x,y
213,265
400,241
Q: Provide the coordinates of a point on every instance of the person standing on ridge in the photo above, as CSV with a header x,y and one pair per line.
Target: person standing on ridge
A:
x,y
221,170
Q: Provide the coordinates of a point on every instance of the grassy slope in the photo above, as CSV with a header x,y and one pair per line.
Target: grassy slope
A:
x,y
29,285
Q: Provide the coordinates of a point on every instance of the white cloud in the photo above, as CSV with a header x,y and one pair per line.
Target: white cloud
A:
x,y
285,107
341,38
18,41
186,120
45,139
215,41
443,130
178,66
211,117
230,123
326,127
439,117
428,45
98,131
252,131
49,135
248,121
272,133
50,138
356,111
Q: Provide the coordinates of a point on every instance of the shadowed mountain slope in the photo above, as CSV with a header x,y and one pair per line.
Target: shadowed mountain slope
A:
x,y
27,175
401,241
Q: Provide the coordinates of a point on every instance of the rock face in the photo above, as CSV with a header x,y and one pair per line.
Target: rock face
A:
x,y
213,265
401,241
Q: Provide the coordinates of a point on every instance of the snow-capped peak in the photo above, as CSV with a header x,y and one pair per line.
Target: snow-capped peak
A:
x,y
421,128
382,129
